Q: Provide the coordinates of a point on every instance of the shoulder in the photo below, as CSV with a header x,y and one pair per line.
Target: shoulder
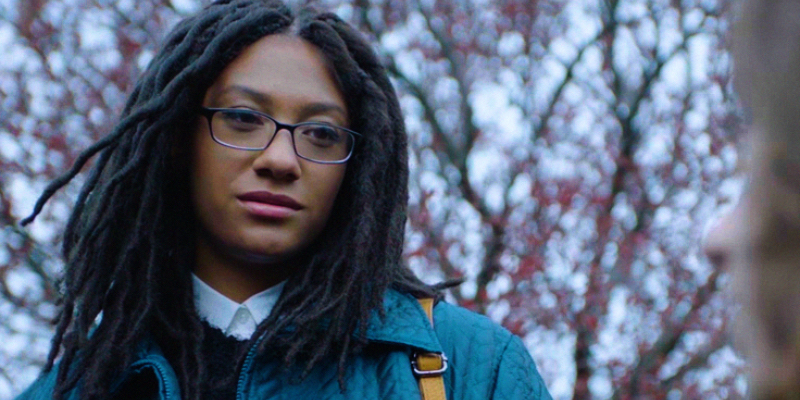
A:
x,y
42,387
148,361
458,323
485,359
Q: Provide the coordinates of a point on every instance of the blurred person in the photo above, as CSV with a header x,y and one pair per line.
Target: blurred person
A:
x,y
240,234
759,242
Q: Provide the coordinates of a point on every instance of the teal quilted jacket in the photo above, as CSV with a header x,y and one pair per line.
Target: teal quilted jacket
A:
x,y
485,362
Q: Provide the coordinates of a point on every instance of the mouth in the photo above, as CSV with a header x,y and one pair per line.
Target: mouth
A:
x,y
269,205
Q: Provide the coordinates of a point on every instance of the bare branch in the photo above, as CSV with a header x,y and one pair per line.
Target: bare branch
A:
x,y
671,334
568,77
698,360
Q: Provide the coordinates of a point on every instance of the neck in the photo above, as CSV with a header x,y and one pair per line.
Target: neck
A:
x,y
237,276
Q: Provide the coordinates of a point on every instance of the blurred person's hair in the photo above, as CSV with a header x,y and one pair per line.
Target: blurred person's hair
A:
x,y
129,242
767,76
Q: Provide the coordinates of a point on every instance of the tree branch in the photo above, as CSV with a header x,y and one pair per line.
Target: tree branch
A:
x,y
568,77
457,155
698,360
669,338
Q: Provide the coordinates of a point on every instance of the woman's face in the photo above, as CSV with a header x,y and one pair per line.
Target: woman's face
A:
x,y
266,206
765,224
759,244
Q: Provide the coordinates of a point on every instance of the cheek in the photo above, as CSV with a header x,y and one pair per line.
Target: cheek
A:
x,y
326,189
209,175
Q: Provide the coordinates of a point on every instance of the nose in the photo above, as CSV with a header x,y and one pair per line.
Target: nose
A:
x,y
726,238
717,243
279,160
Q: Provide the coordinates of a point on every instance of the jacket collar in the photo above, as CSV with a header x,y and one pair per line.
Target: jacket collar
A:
x,y
404,323
148,355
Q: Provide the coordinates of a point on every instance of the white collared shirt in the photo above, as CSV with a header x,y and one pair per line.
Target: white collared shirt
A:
x,y
234,319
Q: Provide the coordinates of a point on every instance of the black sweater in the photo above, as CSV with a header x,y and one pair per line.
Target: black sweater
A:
x,y
220,355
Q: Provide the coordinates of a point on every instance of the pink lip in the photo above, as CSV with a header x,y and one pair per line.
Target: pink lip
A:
x,y
269,205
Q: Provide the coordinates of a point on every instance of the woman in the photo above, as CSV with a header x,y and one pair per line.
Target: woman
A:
x,y
759,242
241,232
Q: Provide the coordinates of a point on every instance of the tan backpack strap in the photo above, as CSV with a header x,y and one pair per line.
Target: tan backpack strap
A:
x,y
429,367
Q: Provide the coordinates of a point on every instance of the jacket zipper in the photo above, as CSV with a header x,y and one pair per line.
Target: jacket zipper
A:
x,y
167,387
248,362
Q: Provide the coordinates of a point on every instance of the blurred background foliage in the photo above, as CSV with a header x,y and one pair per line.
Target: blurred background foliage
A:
x,y
566,158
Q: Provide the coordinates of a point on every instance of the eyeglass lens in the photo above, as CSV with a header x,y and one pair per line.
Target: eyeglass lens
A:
x,y
248,130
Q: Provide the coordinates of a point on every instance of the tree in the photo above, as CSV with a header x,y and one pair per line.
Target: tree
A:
x,y
564,156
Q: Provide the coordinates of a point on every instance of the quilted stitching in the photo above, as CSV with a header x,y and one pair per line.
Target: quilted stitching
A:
x,y
405,323
485,362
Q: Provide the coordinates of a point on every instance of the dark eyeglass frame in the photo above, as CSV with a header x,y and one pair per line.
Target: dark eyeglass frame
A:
x,y
208,113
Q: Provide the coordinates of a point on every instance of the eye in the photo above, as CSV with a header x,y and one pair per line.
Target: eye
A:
x,y
321,135
241,120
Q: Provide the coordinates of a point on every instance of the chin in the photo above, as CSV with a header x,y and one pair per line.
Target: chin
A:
x,y
259,257
261,253
248,249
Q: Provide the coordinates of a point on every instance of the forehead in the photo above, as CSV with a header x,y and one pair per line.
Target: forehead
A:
x,y
282,68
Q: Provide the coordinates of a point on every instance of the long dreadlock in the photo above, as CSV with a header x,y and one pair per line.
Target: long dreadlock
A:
x,y
129,240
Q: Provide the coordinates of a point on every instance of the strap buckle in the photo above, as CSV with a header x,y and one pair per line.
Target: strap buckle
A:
x,y
420,370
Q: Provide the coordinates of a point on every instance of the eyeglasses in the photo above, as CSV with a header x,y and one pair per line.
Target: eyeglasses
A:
x,y
245,129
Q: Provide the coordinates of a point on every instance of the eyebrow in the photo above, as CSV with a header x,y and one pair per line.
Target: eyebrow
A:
x,y
266,100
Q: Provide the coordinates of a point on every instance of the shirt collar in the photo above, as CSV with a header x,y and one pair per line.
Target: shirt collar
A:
x,y
234,319
404,321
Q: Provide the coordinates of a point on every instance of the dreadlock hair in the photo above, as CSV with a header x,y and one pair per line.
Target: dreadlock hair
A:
x,y
129,241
